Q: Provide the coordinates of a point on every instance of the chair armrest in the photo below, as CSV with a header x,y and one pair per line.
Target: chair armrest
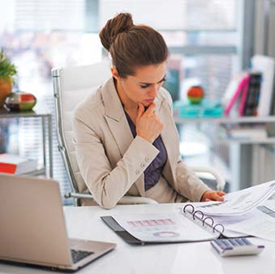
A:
x,y
77,195
218,177
123,201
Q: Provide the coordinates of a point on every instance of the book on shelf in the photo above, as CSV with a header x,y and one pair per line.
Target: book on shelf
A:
x,y
244,100
243,96
15,164
194,222
272,111
266,66
252,95
235,93
247,132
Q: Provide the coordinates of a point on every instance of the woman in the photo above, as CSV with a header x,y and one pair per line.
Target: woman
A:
x,y
125,137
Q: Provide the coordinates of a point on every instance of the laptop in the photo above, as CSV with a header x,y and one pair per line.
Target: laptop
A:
x,y
33,230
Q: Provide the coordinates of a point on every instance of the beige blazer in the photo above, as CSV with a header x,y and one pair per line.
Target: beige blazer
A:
x,y
112,162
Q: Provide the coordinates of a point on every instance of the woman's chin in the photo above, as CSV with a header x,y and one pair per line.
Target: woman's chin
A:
x,y
147,103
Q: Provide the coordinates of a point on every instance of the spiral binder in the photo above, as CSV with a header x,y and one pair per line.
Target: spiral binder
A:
x,y
207,222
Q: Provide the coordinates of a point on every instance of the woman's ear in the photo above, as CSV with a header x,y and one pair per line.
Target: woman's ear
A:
x,y
115,73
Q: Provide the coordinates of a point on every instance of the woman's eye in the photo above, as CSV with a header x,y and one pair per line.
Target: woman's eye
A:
x,y
144,86
147,85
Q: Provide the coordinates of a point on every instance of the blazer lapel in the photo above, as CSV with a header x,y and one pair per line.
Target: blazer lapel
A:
x,y
115,116
170,140
117,121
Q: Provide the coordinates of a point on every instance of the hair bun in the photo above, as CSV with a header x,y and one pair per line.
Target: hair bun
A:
x,y
120,23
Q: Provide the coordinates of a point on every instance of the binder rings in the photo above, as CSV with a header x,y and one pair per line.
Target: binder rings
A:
x,y
141,229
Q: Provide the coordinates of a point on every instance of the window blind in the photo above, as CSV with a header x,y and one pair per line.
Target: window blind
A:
x,y
49,15
174,14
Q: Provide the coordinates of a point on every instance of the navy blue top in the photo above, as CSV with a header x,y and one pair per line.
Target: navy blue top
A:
x,y
153,172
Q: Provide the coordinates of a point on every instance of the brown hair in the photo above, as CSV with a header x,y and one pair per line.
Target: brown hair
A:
x,y
132,46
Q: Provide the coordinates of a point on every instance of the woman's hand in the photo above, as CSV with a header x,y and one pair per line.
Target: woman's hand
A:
x,y
212,196
148,124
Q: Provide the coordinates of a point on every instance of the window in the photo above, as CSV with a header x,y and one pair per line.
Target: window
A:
x,y
204,43
38,36
203,39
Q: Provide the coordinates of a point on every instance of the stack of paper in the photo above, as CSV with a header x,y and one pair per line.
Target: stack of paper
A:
x,y
259,222
239,202
246,211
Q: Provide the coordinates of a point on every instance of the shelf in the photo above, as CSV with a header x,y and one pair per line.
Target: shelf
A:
x,y
234,121
37,112
249,141
45,117
227,120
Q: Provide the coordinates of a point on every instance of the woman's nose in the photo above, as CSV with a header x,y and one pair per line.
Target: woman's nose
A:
x,y
154,90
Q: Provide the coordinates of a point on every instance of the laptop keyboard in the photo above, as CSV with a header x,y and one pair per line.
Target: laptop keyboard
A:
x,y
78,255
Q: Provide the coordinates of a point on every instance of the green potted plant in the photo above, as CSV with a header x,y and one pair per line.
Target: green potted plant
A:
x,y
7,72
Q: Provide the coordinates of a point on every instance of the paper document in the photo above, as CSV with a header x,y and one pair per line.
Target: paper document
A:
x,y
239,202
162,227
228,223
260,223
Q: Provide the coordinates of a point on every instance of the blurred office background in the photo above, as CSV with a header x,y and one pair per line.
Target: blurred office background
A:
x,y
209,42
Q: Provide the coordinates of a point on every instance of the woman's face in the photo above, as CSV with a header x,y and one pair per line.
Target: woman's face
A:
x,y
143,87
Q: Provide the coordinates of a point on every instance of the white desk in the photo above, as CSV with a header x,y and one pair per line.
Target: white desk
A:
x,y
84,222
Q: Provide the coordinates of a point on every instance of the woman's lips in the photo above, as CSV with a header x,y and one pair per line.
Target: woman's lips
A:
x,y
150,100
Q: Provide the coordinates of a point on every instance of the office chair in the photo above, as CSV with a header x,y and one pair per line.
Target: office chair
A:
x,y
72,85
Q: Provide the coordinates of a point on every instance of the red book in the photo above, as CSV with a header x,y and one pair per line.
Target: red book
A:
x,y
14,164
244,95
240,88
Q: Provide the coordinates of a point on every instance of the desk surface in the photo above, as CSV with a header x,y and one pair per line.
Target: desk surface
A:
x,y
84,223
